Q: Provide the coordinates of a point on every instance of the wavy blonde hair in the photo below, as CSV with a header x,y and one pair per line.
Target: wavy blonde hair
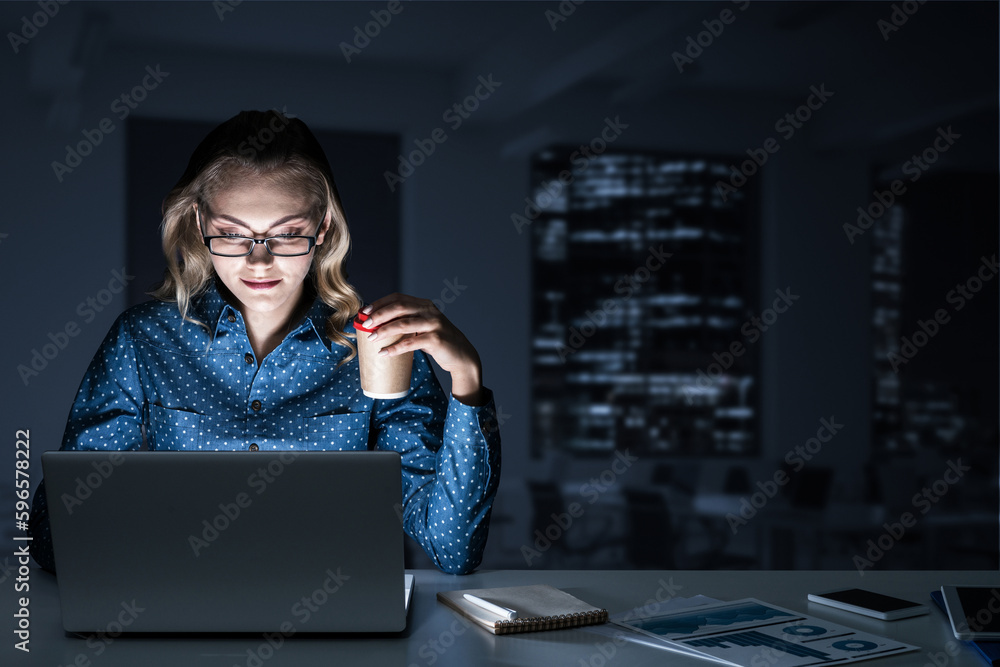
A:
x,y
281,150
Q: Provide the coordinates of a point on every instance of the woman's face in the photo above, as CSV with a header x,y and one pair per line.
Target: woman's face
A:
x,y
263,284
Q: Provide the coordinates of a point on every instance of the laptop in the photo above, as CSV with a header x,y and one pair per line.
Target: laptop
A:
x,y
186,542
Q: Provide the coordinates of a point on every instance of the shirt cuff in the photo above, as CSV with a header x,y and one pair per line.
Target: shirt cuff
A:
x,y
484,416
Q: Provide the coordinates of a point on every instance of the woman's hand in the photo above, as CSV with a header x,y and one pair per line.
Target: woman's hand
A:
x,y
429,330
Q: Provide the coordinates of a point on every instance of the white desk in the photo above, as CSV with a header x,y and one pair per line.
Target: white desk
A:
x,y
437,636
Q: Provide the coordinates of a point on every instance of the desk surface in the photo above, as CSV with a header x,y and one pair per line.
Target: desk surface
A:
x,y
436,636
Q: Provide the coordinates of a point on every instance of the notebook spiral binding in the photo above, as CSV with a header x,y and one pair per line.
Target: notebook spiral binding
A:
x,y
538,623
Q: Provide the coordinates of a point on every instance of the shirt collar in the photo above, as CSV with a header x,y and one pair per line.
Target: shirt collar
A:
x,y
211,308
316,317
214,310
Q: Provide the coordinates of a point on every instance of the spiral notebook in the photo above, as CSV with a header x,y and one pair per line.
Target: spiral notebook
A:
x,y
538,607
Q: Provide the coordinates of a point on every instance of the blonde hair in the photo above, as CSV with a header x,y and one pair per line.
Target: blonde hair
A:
x,y
292,158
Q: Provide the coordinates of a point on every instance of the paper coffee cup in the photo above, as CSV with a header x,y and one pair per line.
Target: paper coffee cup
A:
x,y
386,376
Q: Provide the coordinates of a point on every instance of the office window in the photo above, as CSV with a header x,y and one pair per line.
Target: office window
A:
x,y
935,333
643,277
886,278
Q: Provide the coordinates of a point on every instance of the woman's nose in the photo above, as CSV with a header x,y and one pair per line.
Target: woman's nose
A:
x,y
259,255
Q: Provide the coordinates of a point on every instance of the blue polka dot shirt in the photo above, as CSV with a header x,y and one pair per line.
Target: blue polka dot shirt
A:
x,y
182,388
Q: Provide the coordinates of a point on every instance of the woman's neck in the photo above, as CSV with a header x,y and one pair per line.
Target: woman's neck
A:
x,y
266,330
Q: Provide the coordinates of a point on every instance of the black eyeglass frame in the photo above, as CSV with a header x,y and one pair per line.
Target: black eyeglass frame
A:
x,y
254,242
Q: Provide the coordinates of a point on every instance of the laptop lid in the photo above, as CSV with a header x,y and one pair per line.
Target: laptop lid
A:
x,y
227,541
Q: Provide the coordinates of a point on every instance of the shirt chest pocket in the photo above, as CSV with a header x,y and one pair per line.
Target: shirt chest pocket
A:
x,y
348,430
170,428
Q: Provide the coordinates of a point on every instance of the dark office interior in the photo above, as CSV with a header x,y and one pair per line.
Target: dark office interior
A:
x,y
731,268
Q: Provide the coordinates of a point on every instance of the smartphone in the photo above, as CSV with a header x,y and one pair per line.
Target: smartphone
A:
x,y
868,603
974,611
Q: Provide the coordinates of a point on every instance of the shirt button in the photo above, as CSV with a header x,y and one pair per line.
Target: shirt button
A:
x,y
248,358
253,447
231,318
255,405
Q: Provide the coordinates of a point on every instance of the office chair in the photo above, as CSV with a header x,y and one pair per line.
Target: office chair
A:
x,y
651,539
571,544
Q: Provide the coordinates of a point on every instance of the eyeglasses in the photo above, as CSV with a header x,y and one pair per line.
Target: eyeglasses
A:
x,y
235,245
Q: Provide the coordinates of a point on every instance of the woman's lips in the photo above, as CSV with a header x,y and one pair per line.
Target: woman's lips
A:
x,y
260,284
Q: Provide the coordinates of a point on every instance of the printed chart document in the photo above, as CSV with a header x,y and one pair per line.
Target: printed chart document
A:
x,y
749,632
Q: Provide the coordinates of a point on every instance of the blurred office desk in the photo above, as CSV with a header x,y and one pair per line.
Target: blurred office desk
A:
x,y
437,636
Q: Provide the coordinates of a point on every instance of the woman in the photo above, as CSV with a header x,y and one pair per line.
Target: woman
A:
x,y
249,344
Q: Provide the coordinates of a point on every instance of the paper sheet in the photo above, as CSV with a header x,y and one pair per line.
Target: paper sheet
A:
x,y
748,632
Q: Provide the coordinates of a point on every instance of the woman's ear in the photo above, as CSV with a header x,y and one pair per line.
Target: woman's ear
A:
x,y
323,229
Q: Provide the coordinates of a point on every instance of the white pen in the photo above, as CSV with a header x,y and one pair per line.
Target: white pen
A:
x,y
503,612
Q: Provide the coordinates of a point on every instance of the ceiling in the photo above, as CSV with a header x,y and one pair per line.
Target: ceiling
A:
x,y
777,49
